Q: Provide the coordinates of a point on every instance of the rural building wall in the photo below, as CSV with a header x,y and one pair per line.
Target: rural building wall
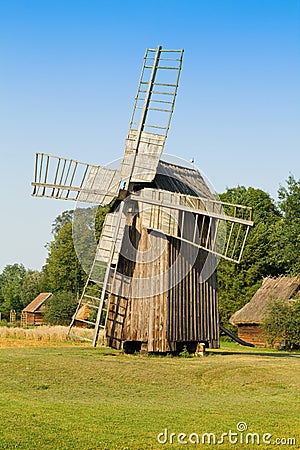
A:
x,y
253,334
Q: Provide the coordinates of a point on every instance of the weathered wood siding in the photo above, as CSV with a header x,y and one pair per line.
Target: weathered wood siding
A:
x,y
193,305
36,318
253,334
177,308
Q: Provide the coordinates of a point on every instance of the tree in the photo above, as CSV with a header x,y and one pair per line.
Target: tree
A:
x,y
62,269
282,323
99,220
286,243
32,284
60,308
62,219
87,226
238,282
11,280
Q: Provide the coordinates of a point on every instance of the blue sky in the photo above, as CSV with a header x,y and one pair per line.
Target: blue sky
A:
x,y
69,71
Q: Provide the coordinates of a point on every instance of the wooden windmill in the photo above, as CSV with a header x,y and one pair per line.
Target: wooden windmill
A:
x,y
153,281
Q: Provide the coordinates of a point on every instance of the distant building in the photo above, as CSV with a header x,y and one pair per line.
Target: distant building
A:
x,y
33,314
250,318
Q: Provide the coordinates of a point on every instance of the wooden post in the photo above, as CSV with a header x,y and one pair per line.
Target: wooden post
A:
x,y
12,316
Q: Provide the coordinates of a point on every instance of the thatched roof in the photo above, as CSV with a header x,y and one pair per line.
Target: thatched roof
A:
x,y
281,288
83,313
175,178
37,302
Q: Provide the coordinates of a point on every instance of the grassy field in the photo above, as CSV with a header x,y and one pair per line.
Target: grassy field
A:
x,y
76,397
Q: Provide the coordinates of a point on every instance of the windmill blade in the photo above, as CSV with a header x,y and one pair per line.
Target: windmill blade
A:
x,y
219,228
68,179
146,160
110,242
152,112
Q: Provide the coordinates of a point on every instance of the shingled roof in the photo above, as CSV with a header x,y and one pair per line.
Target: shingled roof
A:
x,y
281,288
37,302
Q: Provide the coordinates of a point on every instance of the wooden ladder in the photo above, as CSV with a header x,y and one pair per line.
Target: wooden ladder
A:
x,y
93,306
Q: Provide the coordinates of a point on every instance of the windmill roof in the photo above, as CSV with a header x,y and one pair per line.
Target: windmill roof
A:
x,y
281,288
37,302
184,180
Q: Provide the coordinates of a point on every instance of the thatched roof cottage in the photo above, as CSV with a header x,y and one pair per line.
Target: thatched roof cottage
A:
x,y
249,318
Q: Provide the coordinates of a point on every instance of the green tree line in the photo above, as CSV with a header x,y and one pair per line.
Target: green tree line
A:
x,y
62,274
272,248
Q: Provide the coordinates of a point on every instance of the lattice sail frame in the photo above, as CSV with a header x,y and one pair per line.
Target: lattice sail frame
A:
x,y
68,179
227,225
152,112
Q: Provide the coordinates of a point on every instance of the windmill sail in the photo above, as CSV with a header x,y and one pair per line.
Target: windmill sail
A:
x,y
68,179
111,238
152,112
219,228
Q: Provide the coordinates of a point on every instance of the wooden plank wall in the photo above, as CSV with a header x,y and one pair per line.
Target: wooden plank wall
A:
x,y
252,333
36,318
193,303
165,312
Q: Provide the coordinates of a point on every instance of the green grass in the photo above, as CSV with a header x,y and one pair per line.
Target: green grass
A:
x,y
83,398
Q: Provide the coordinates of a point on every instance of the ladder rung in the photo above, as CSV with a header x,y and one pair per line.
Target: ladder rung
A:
x,y
85,321
114,338
169,59
159,84
80,337
155,109
168,67
159,92
117,314
91,297
164,59
163,93
96,281
161,67
154,126
169,51
161,101
115,321
118,306
165,84
89,305
100,264
160,109
123,307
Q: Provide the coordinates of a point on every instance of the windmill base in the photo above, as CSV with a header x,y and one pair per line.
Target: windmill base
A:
x,y
193,347
131,347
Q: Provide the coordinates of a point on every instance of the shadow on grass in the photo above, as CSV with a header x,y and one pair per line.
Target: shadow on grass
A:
x,y
254,353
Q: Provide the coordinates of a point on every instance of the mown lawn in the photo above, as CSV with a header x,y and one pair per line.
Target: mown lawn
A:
x,y
83,398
